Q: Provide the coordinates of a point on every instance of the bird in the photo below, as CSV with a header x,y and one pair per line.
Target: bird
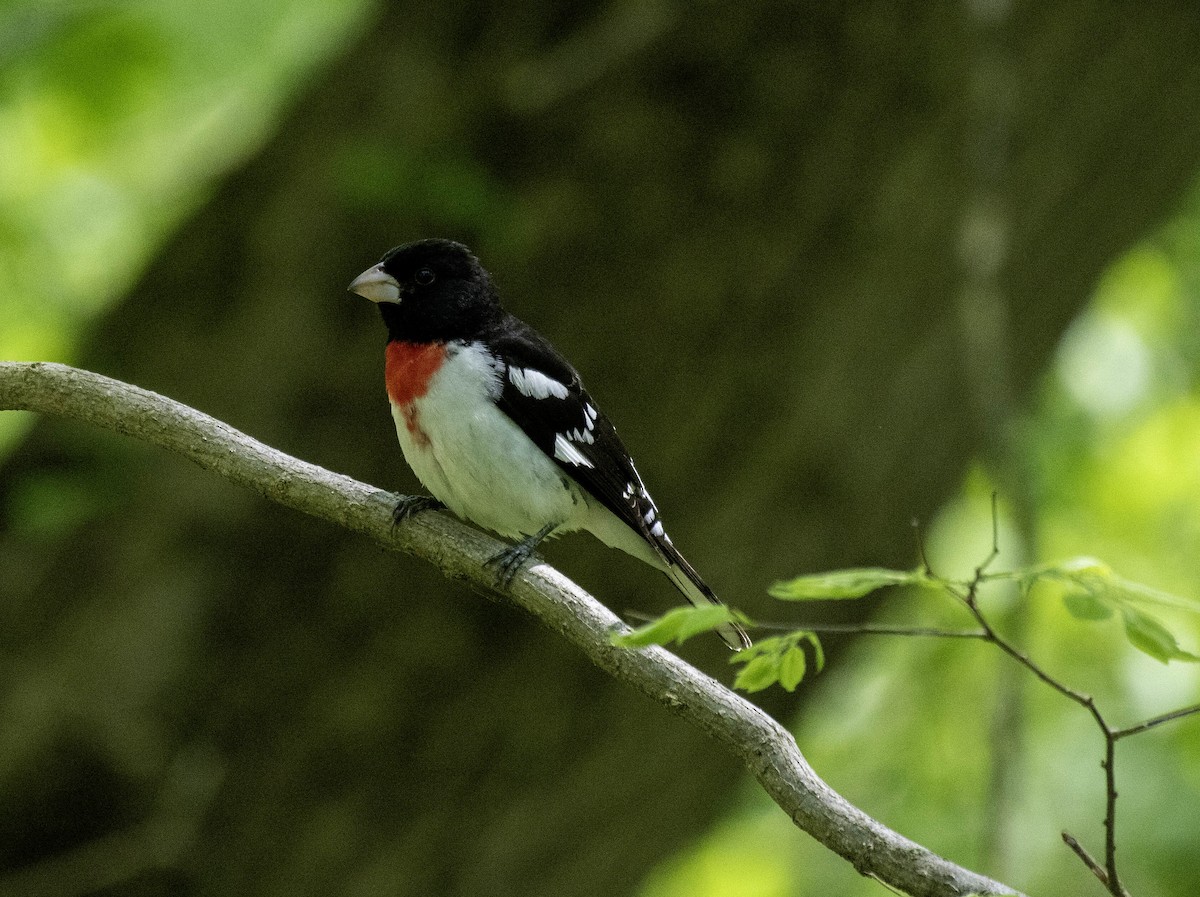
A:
x,y
498,426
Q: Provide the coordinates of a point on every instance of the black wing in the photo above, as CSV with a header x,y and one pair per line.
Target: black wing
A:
x,y
542,394
544,397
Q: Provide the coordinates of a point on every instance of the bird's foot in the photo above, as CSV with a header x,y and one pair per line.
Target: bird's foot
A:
x,y
408,505
510,560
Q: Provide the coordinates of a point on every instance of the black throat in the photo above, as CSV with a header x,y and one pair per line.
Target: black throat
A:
x,y
463,314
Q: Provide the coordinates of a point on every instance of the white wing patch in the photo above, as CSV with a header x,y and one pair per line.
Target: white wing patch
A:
x,y
641,502
566,452
565,443
535,384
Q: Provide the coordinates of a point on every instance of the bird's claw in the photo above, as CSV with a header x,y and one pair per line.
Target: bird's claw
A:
x,y
511,559
508,562
408,505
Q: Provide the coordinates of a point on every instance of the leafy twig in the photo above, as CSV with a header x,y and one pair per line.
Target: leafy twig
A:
x,y
1108,874
1111,878
970,599
1105,592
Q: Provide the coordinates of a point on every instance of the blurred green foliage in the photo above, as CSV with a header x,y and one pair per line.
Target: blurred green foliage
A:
x,y
116,120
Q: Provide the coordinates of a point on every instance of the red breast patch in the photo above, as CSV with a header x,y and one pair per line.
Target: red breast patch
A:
x,y
410,367
408,371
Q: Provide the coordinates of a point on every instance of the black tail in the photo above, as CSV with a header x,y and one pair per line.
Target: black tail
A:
x,y
688,581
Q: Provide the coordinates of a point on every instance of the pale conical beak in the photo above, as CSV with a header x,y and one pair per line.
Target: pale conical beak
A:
x,y
377,285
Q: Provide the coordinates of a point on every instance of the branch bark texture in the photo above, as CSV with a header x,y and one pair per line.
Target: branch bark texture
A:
x,y
767,749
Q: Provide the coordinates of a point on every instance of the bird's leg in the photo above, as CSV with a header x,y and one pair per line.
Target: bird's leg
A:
x,y
408,505
509,561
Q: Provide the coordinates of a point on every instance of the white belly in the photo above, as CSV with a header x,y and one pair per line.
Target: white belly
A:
x,y
475,460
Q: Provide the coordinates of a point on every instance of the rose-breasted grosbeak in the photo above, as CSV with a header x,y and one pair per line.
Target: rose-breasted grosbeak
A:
x,y
496,424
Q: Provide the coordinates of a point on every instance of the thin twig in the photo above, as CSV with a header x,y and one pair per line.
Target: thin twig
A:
x,y
919,536
878,629
1156,721
971,600
1088,859
968,593
981,570
844,628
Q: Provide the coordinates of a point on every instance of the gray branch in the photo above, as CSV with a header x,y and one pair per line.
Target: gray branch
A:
x,y
763,745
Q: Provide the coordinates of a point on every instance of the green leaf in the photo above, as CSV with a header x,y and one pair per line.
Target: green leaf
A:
x,y
1151,637
776,644
792,667
1085,606
1081,566
1086,573
780,658
1095,591
676,625
1096,579
761,672
1129,592
853,583
818,651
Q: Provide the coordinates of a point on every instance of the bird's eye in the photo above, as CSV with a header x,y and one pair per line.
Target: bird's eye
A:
x,y
424,277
